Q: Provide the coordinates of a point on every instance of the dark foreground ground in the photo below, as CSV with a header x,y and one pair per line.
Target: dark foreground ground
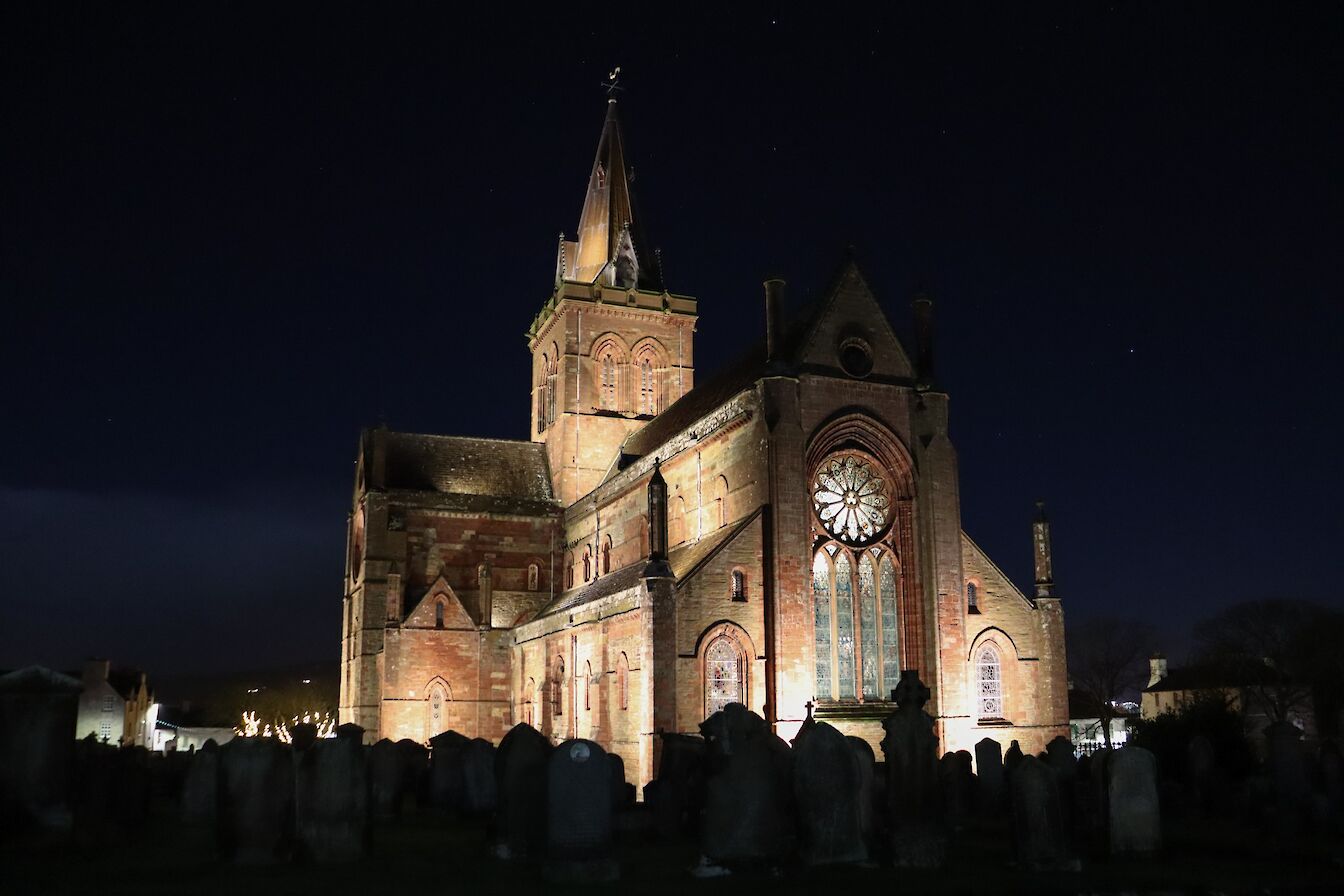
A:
x,y
424,854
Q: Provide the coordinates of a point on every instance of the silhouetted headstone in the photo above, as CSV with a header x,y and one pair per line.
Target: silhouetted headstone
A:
x,y
747,817
38,708
828,791
678,794
200,788
1135,822
478,777
302,736
911,750
1038,824
989,772
578,812
868,802
447,781
331,800
256,799
1011,759
520,776
1286,765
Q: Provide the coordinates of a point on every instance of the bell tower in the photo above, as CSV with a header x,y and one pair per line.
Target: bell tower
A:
x,y
611,348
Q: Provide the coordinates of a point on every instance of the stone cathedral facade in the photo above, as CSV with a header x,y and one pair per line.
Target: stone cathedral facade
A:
x,y
785,534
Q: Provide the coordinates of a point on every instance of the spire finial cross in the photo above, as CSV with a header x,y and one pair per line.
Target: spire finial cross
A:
x,y
612,84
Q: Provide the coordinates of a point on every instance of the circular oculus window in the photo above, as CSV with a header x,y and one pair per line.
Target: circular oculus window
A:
x,y
850,498
855,358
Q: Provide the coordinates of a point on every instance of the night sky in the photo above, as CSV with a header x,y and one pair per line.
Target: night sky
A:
x,y
231,236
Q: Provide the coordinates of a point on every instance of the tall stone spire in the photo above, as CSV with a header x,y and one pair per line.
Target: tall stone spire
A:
x,y
609,247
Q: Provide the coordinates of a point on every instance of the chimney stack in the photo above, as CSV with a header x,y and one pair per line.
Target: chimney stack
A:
x,y
774,297
1157,669
923,308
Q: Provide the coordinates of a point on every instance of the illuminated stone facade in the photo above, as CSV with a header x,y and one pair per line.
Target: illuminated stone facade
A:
x,y
814,545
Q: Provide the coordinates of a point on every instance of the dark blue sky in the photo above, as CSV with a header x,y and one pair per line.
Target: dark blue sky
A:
x,y
232,235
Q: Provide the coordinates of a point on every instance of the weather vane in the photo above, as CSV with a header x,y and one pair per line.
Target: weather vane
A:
x,y
612,84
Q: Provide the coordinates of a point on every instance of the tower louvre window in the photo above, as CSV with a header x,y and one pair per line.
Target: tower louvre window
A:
x,y
609,382
648,399
738,585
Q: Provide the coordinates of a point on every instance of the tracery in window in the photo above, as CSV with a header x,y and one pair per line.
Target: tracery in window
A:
x,y
609,381
850,498
723,674
648,399
989,679
855,623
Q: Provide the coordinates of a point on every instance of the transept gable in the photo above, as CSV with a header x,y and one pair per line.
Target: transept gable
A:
x,y
1001,583
848,324
426,614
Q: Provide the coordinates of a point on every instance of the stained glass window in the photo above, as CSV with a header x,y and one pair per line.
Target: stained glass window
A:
x,y
821,601
990,683
868,627
723,675
891,653
844,627
850,499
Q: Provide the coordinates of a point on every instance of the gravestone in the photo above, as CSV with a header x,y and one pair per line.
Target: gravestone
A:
x,y
956,784
478,777
414,771
911,750
1286,765
302,736
1038,823
38,708
520,778
989,772
1134,818
868,803
1332,777
130,786
92,796
1201,766
1059,756
1011,759
331,804
622,792
828,791
256,799
200,788
747,817
677,795
447,774
578,814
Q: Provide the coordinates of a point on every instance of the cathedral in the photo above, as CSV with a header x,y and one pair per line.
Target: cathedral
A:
x,y
785,534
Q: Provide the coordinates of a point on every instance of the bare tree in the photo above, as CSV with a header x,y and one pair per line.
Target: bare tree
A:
x,y
1278,649
1108,661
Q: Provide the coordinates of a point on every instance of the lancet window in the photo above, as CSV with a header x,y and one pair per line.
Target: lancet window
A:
x,y
989,681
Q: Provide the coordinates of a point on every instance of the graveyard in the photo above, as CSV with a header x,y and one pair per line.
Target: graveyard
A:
x,y
736,806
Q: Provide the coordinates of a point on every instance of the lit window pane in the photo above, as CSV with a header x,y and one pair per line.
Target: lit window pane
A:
x,y
821,601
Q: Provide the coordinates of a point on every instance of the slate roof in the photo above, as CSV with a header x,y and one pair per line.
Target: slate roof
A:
x,y
684,559
1197,678
472,474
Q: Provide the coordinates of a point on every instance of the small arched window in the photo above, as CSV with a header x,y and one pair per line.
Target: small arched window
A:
x,y
557,688
608,381
587,564
989,680
971,595
738,585
438,615
569,571
528,689
720,510
587,686
533,574
648,398
724,682
623,682
606,555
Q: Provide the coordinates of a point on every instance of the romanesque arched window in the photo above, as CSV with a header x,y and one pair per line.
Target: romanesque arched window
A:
x,y
719,516
737,585
587,563
438,614
533,576
972,593
606,555
989,682
557,688
587,685
623,682
725,680
528,690
569,571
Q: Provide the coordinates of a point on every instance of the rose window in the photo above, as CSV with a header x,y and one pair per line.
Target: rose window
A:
x,y
851,499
